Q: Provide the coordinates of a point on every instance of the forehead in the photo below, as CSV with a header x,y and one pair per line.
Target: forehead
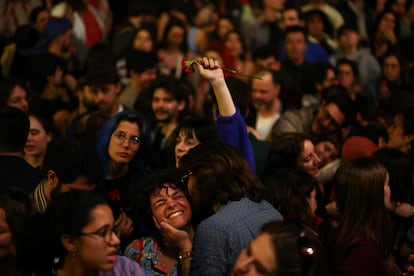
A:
x,y
233,36
142,33
391,59
102,86
34,122
290,14
161,92
295,36
128,126
177,29
344,67
307,146
17,91
187,132
165,190
101,215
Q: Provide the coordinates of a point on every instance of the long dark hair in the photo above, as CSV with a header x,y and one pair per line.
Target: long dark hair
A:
x,y
284,151
221,174
40,248
360,200
287,189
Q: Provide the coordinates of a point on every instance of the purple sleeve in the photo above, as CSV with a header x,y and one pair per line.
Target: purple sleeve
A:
x,y
124,267
233,130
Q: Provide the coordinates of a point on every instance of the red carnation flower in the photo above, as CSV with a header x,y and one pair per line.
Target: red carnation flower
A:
x,y
188,65
114,196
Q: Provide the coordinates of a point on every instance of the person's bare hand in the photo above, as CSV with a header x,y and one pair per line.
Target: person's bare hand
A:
x,y
124,225
209,69
173,236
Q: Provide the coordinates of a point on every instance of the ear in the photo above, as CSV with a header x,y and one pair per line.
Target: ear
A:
x,y
409,138
49,136
51,182
277,90
318,86
181,105
118,88
68,242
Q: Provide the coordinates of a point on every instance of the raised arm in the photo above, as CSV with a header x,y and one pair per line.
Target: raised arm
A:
x,y
231,126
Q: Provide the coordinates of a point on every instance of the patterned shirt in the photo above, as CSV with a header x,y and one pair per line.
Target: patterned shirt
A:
x,y
144,252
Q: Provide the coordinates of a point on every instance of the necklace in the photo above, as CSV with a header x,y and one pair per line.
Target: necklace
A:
x,y
163,263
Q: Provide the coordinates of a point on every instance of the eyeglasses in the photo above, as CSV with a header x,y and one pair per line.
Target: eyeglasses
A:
x,y
183,181
120,137
104,233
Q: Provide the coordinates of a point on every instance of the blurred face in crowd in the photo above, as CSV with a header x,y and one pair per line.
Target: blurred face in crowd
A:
x,y
183,144
290,18
143,41
224,26
234,44
38,139
328,120
41,21
346,76
309,160
348,39
107,97
391,68
171,205
165,107
264,92
396,137
147,77
176,36
258,258
88,97
19,99
315,27
295,45
66,40
399,7
326,152
388,21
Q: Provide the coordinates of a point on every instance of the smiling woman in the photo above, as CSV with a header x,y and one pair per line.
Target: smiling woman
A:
x,y
161,203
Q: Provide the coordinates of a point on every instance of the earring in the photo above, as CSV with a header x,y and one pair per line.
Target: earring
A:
x,y
73,257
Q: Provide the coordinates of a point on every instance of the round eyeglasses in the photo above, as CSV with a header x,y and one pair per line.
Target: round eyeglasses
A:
x,y
120,137
104,233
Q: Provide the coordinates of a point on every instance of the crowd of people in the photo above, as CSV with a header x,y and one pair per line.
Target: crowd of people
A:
x,y
191,137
